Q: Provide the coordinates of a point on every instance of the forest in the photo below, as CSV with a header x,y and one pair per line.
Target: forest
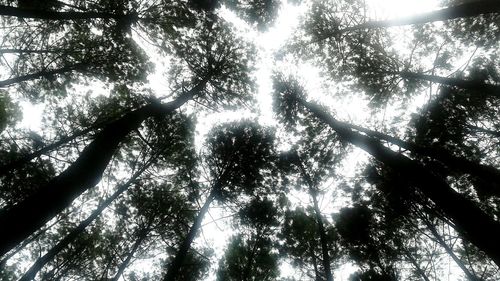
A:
x,y
177,142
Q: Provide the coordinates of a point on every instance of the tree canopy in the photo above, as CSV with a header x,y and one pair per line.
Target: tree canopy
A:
x,y
176,142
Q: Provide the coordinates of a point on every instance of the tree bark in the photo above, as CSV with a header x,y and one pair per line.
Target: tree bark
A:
x,y
319,221
475,225
44,74
53,15
470,9
21,220
177,262
31,273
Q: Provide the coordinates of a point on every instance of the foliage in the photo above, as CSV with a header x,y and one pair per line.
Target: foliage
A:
x,y
127,159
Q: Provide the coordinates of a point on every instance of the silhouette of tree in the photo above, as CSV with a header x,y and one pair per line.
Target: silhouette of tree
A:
x,y
118,180
236,157
250,254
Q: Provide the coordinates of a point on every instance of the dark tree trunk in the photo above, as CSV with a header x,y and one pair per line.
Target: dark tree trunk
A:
x,y
458,163
315,263
176,264
26,242
479,86
24,218
319,221
476,226
247,271
18,163
52,15
44,74
130,255
470,9
70,237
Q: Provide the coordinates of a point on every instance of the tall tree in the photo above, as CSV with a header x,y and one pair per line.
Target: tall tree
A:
x,y
225,72
249,255
453,204
300,234
237,155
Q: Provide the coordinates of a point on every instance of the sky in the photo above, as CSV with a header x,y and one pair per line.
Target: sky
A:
x,y
268,43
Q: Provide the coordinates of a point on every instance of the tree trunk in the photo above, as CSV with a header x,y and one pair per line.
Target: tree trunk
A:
x,y
415,264
477,129
28,51
319,221
458,163
31,273
247,271
24,218
44,74
470,9
315,263
26,242
488,89
475,225
130,255
18,163
449,250
177,262
52,15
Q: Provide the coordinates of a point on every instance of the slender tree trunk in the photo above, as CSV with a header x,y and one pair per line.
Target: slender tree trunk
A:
x,y
319,221
477,129
470,9
415,264
458,163
130,255
28,51
177,262
247,271
52,15
44,74
476,226
449,250
480,86
71,236
24,218
315,263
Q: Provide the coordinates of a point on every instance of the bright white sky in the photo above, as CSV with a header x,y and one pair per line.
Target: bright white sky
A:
x,y
268,43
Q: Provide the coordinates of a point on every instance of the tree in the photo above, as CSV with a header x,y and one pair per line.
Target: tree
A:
x,y
80,49
314,158
236,153
177,152
250,255
86,171
464,10
300,233
395,173
430,184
